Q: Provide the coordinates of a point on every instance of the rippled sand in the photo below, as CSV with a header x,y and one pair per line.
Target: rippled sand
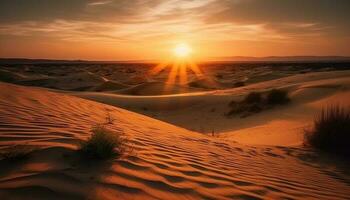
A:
x,y
168,162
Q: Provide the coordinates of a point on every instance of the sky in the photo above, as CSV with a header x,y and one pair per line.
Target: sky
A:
x,y
149,29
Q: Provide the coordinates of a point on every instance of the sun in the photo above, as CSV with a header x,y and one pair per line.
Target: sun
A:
x,y
182,50
182,67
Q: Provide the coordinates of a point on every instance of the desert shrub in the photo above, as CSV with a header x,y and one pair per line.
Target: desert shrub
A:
x,y
252,98
255,102
331,130
254,108
244,108
276,96
250,104
235,108
109,119
104,143
16,152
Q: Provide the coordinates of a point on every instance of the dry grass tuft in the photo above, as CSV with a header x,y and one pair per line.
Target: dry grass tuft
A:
x,y
331,130
275,97
104,143
256,102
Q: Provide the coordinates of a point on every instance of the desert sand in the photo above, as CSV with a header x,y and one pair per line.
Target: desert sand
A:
x,y
174,100
184,146
205,111
256,157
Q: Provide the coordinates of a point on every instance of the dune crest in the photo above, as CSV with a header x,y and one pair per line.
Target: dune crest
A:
x,y
204,111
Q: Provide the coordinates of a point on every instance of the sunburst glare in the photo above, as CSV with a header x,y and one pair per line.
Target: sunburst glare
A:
x,y
182,50
179,67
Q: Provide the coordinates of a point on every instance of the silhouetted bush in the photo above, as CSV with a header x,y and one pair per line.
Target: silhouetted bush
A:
x,y
255,102
104,143
250,104
239,107
331,130
16,152
253,97
276,96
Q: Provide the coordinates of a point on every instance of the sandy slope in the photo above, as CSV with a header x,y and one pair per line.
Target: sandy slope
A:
x,y
155,88
168,162
205,111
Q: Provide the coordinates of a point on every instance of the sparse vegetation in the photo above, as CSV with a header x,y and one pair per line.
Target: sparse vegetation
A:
x,y
109,119
104,143
256,102
16,152
331,130
252,98
277,97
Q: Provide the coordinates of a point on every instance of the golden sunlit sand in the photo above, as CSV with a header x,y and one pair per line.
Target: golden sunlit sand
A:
x,y
256,157
174,100
169,162
204,111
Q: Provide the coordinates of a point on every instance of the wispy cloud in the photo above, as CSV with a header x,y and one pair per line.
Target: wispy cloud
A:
x,y
140,21
99,3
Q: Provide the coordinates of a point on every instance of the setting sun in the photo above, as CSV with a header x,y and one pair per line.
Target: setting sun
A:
x,y
182,50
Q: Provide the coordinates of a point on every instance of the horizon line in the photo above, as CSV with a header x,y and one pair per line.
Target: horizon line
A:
x,y
213,59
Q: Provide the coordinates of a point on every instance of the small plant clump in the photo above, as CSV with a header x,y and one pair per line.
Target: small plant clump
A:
x,y
241,107
330,131
256,102
252,98
16,152
275,97
104,143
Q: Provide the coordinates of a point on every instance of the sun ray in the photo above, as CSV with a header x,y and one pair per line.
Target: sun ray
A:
x,y
179,66
194,67
172,77
183,73
157,69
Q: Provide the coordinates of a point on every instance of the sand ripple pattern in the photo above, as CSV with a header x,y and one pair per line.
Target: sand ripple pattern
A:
x,y
167,163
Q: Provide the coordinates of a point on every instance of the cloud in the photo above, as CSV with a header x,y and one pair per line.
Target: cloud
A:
x,y
99,3
201,20
323,12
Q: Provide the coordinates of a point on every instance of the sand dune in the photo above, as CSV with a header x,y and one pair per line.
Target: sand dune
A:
x,y
9,76
205,111
168,162
109,86
206,83
156,88
78,81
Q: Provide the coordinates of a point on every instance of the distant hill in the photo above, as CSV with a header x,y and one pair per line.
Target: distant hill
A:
x,y
284,58
35,61
217,59
52,61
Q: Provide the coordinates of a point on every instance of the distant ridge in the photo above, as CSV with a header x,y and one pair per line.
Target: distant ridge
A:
x,y
217,59
283,58
31,61
53,61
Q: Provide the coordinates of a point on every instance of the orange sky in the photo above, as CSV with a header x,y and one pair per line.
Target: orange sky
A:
x,y
149,29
